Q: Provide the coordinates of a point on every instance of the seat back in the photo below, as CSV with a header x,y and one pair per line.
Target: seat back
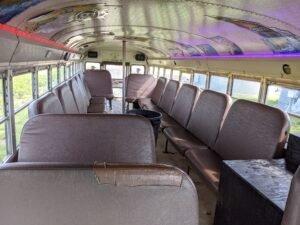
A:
x,y
252,131
207,116
66,98
168,97
79,98
84,89
99,82
87,139
184,103
291,214
47,104
139,86
99,194
158,90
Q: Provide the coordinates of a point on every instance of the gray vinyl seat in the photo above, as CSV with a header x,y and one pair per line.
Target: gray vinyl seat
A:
x,y
87,139
48,104
182,108
152,102
291,214
99,82
204,124
66,98
250,131
94,104
72,97
36,194
78,96
139,86
168,97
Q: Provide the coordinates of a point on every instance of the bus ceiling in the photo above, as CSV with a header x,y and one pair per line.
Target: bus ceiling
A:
x,y
165,30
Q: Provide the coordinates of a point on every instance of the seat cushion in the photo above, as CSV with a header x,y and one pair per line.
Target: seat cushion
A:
x,y
207,163
182,139
167,121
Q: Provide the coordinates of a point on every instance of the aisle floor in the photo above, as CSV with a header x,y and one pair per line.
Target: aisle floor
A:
x,y
207,198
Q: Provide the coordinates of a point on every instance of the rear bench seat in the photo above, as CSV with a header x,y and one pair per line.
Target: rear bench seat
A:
x,y
97,194
63,98
250,131
87,138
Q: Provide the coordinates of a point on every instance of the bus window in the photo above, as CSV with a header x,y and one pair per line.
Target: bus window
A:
x,y
168,73
200,80
116,71
61,74
176,75
151,70
138,69
246,89
161,72
218,83
42,82
155,72
22,90
288,100
21,118
54,75
185,78
92,66
3,149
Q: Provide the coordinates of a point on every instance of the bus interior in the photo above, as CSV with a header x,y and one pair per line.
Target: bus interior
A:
x,y
150,112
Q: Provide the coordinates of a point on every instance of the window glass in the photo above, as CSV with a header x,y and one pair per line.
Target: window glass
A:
x,y
161,72
137,69
1,99
168,73
185,78
200,80
284,98
156,72
92,66
218,83
288,100
61,74
151,70
54,74
67,72
42,82
22,89
20,119
116,71
295,125
176,75
3,151
245,89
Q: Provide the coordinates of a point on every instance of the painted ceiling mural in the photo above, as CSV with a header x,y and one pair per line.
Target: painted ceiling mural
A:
x,y
166,28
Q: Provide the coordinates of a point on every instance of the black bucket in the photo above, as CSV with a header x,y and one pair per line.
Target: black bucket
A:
x,y
154,117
